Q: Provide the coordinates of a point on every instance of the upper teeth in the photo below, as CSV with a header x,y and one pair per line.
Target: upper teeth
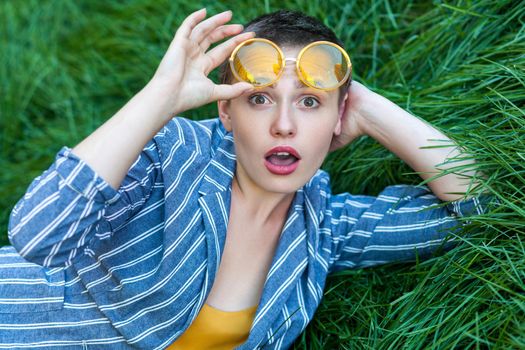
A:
x,y
282,153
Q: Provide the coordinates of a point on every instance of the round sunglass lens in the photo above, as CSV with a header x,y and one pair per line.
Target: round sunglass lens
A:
x,y
258,63
323,66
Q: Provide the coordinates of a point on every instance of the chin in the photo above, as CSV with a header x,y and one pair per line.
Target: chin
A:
x,y
286,185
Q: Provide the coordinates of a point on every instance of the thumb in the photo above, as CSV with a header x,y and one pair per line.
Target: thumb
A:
x,y
227,92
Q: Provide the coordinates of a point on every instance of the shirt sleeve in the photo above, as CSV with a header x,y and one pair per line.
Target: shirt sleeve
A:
x,y
62,208
401,224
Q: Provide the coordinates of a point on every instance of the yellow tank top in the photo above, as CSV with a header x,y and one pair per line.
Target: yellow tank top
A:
x,y
216,329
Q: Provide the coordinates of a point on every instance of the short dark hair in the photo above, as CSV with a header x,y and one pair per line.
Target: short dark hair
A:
x,y
288,28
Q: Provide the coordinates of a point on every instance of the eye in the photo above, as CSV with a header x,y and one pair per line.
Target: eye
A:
x,y
310,102
258,99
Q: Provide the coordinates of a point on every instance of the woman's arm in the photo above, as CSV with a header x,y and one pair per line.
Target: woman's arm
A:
x,y
113,147
63,209
367,112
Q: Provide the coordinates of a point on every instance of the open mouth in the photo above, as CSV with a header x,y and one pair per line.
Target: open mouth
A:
x,y
282,160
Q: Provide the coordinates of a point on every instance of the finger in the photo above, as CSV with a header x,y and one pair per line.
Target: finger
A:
x,y
220,33
191,22
219,53
204,28
227,92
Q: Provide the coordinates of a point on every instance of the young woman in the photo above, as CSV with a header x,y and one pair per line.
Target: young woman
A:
x,y
157,231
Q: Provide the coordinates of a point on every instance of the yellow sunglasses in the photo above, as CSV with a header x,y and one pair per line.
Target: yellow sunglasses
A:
x,y
322,64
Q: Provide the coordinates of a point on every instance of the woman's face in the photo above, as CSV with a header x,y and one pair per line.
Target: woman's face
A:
x,y
269,124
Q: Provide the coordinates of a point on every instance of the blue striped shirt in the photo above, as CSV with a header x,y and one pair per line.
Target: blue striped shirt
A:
x,y
148,253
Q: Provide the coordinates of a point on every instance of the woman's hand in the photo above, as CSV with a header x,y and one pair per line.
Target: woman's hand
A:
x,y
182,72
424,148
352,120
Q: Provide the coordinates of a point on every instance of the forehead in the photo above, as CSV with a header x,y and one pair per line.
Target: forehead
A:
x,y
291,51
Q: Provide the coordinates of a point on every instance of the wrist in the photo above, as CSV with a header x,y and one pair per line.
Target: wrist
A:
x,y
370,111
163,98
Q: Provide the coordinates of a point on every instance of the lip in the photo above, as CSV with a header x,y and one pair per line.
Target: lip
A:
x,y
288,149
282,169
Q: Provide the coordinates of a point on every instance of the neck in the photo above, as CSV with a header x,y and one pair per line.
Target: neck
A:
x,y
264,207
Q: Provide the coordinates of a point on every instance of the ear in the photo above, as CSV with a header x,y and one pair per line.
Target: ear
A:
x,y
223,106
340,115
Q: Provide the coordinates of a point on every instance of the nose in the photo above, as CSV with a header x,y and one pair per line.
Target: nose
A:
x,y
284,124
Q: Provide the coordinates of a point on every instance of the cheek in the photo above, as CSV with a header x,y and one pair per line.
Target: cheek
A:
x,y
322,133
319,140
245,145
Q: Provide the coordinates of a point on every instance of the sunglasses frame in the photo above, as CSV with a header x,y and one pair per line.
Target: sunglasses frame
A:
x,y
296,60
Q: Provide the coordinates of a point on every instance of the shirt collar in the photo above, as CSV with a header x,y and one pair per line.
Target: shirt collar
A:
x,y
219,174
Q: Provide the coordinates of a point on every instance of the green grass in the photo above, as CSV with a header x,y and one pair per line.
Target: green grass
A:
x,y
68,66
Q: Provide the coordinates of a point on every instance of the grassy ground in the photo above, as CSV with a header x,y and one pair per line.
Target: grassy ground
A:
x,y
68,66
